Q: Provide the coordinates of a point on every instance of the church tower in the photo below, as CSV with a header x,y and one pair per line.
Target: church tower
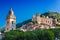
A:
x,y
10,21
38,19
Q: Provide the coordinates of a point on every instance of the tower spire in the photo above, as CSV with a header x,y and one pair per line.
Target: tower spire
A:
x,y
11,14
11,11
10,21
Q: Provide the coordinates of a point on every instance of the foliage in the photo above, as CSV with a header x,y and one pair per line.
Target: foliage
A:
x,y
14,35
52,14
38,34
22,23
56,32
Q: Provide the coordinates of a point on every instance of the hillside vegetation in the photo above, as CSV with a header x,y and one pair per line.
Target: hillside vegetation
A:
x,y
38,34
50,14
22,23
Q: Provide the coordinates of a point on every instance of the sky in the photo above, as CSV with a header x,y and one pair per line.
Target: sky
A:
x,y
24,9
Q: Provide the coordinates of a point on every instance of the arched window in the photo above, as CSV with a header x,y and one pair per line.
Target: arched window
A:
x,y
12,22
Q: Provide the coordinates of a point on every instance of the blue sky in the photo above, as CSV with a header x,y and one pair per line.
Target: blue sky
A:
x,y
23,9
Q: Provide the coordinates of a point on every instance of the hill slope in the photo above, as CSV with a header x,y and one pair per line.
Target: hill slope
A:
x,y
50,14
22,23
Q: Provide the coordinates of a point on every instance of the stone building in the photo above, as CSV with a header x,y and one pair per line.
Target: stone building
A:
x,y
44,20
10,21
42,23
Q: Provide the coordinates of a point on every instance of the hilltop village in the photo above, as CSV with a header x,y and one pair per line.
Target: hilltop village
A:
x,y
38,22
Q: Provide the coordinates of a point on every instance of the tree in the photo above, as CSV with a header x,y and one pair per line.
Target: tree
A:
x,y
38,34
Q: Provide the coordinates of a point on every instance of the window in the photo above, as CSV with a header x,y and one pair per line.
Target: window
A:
x,y
7,22
12,22
7,28
46,21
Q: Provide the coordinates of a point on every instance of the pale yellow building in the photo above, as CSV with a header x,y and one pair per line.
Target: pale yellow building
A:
x,y
10,21
44,20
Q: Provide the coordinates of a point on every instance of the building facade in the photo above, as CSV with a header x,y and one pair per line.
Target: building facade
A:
x,y
42,23
10,21
44,20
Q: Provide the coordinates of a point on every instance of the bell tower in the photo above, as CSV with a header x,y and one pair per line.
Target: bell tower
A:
x,y
10,21
38,19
